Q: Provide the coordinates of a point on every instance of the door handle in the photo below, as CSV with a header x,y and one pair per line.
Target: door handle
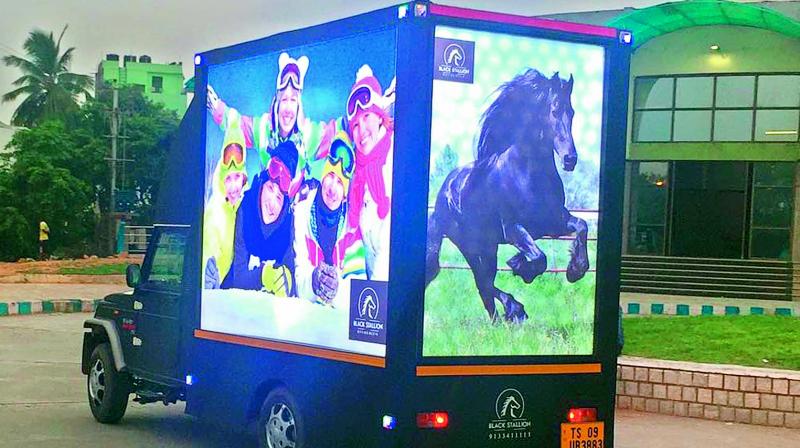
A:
x,y
137,305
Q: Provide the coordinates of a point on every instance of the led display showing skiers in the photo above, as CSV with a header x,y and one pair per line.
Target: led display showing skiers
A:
x,y
298,170
513,195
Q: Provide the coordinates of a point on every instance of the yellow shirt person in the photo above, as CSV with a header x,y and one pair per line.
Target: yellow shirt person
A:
x,y
44,231
44,236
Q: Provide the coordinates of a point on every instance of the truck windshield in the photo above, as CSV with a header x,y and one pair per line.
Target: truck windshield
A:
x,y
166,268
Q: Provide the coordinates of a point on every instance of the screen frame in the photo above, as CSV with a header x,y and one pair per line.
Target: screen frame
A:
x,y
376,21
613,140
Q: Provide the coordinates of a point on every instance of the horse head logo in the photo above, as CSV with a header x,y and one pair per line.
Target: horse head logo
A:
x,y
368,304
454,55
510,404
510,407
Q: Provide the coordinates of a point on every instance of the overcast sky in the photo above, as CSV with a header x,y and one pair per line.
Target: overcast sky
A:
x,y
174,30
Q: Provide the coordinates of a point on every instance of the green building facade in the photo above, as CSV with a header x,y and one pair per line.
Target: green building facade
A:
x,y
161,83
712,176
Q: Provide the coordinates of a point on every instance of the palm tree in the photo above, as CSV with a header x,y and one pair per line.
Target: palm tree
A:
x,y
50,88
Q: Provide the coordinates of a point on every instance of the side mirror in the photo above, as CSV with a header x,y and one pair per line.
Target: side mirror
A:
x,y
133,275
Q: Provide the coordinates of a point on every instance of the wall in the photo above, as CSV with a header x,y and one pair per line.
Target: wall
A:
x,y
171,96
135,73
712,392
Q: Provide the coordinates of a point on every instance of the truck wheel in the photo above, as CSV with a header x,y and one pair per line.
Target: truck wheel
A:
x,y
280,424
107,388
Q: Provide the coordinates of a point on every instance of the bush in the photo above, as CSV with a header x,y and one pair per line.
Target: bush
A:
x,y
17,235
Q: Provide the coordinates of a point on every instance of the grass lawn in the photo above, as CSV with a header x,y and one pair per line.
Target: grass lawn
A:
x,y
741,340
561,314
101,269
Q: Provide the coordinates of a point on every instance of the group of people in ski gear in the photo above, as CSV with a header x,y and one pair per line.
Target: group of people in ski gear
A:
x,y
317,213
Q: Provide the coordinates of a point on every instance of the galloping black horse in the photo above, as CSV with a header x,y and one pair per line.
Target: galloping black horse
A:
x,y
512,193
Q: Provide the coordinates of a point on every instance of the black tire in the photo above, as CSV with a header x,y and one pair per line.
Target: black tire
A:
x,y
106,388
280,423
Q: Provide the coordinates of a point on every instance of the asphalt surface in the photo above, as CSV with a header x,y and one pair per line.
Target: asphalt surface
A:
x,y
43,404
49,291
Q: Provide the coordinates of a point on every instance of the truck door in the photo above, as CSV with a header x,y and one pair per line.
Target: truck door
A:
x,y
157,303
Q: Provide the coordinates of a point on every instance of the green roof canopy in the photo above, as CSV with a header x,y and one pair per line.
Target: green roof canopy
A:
x,y
654,21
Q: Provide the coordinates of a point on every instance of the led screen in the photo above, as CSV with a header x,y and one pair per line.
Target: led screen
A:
x,y
513,196
298,176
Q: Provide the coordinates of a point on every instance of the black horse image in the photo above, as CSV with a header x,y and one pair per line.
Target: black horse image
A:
x,y
512,193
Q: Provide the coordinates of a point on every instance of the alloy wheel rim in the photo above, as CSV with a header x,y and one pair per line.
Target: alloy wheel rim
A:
x,y
281,429
97,383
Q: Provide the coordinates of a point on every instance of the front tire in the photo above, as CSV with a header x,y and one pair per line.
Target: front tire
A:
x,y
107,389
280,423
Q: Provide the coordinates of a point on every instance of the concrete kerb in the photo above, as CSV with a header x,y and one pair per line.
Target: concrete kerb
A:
x,y
634,304
25,307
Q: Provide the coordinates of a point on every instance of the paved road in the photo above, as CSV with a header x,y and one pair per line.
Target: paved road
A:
x,y
42,404
41,291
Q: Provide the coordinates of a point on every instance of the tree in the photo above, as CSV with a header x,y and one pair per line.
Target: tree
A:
x,y
46,179
148,130
58,172
51,89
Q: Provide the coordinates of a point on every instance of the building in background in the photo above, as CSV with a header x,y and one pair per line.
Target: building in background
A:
x,y
712,175
162,83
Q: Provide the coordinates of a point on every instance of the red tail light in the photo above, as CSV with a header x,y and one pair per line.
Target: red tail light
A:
x,y
435,420
581,415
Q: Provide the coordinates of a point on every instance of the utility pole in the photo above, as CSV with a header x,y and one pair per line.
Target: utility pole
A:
x,y
112,227
114,135
112,162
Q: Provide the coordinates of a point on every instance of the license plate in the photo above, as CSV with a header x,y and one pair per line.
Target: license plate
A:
x,y
582,435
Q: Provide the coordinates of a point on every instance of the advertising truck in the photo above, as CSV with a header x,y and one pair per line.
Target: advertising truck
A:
x,y
399,229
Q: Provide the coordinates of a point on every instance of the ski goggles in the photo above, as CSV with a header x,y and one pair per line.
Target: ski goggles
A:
x,y
342,153
363,97
279,173
290,75
233,153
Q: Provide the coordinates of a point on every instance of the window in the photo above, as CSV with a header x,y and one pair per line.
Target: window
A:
x,y
653,125
165,268
735,91
772,210
158,84
694,92
711,209
653,101
779,91
776,125
649,192
654,93
720,108
692,126
733,125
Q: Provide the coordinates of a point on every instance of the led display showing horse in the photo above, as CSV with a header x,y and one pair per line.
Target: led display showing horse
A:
x,y
512,193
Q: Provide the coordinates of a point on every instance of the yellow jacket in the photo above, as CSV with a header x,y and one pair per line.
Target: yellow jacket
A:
x,y
44,231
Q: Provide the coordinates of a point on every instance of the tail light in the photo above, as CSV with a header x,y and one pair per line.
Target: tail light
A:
x,y
582,415
435,420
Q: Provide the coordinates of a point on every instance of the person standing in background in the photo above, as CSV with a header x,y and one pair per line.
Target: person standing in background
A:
x,y
44,237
